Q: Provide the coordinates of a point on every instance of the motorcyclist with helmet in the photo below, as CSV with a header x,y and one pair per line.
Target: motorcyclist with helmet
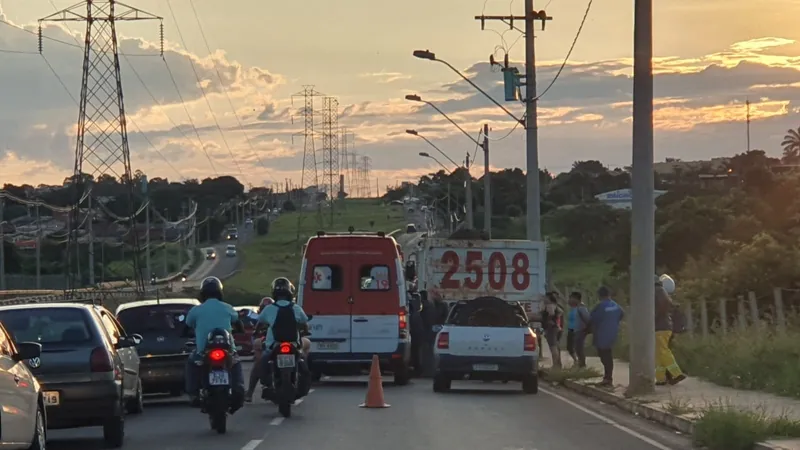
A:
x,y
258,350
212,313
283,318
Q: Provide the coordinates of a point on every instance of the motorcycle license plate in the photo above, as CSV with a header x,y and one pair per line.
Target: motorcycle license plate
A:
x,y
285,361
219,378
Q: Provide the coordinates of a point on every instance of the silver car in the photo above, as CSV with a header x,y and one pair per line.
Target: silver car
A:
x,y
89,366
23,420
230,251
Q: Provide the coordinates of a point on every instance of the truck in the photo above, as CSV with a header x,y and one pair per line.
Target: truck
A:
x,y
453,270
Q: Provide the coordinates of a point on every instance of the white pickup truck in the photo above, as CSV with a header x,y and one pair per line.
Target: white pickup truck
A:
x,y
486,339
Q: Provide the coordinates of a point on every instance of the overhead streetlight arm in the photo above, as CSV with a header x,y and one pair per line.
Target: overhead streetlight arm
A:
x,y
451,121
440,163
426,54
440,151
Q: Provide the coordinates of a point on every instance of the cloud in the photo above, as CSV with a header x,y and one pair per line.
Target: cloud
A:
x,y
700,111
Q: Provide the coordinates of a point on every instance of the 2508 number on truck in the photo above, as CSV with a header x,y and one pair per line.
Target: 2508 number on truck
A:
x,y
496,273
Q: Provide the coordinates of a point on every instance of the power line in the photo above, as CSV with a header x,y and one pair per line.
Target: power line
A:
x,y
569,53
203,91
227,95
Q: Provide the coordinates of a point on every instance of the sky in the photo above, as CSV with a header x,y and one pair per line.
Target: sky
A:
x,y
221,101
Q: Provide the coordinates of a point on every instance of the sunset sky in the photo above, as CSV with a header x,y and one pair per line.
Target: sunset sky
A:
x,y
712,55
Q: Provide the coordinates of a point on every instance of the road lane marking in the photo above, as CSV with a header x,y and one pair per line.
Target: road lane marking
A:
x,y
608,421
252,444
276,421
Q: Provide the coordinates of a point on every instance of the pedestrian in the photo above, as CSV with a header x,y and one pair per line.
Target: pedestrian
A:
x,y
577,327
552,316
604,323
667,369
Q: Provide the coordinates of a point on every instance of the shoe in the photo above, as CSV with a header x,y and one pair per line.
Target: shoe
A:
x,y
678,379
661,383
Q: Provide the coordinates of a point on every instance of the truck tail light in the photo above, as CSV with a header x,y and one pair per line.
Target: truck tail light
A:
x,y
530,342
443,340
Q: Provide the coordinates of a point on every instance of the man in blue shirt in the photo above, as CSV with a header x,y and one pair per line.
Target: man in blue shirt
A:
x,y
604,322
212,313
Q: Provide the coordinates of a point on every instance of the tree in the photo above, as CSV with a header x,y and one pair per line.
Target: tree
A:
x,y
262,226
288,206
791,146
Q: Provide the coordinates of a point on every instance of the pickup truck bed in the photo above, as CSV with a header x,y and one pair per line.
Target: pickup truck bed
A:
x,y
486,339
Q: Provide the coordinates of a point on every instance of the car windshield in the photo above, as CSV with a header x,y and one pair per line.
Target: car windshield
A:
x,y
160,318
231,247
47,325
209,252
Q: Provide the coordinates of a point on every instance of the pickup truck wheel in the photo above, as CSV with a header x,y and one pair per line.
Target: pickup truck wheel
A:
x,y
530,384
441,383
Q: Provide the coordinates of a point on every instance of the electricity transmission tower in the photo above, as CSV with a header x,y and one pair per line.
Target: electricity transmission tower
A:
x,y
330,151
309,174
365,186
354,173
102,143
346,167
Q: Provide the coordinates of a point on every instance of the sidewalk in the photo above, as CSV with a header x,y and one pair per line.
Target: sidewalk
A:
x,y
678,406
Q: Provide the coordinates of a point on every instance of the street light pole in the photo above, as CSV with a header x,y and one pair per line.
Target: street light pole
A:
x,y
468,194
534,226
642,349
487,185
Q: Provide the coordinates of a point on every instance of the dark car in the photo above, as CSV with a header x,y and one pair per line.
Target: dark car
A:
x,y
211,253
244,341
233,235
163,349
88,369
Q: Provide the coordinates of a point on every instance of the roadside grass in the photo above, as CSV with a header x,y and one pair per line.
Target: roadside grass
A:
x,y
277,253
571,373
175,259
722,427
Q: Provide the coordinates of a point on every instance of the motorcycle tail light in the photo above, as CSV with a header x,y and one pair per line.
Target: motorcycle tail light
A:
x,y
285,348
216,355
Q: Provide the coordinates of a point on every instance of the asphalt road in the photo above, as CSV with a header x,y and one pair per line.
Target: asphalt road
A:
x,y
223,265
474,416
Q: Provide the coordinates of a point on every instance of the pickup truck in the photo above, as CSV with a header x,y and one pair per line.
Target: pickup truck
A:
x,y
486,339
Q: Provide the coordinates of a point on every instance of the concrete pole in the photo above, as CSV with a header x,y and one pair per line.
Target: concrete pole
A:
x,y
38,249
148,261
2,246
642,314
487,184
468,194
533,216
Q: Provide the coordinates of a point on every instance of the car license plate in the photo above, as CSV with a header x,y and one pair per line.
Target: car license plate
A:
x,y
485,367
219,378
327,346
285,361
51,398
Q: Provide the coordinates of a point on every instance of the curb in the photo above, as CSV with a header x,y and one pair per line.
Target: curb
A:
x,y
678,423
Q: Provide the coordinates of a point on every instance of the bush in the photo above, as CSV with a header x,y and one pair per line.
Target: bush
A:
x,y
721,427
262,226
288,206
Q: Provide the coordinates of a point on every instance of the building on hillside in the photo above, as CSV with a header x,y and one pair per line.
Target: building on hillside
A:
x,y
622,199
671,165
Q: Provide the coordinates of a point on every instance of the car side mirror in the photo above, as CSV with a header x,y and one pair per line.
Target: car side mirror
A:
x,y
137,338
28,350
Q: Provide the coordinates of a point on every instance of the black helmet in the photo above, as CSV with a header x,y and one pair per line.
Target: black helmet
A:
x,y
282,289
210,287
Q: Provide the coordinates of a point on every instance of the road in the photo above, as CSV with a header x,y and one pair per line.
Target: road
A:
x,y
485,417
223,265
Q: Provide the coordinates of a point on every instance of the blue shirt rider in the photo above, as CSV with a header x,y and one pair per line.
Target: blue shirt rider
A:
x,y
210,314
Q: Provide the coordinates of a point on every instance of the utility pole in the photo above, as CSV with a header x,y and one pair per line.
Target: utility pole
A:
x,y
449,211
642,348
208,225
2,245
149,271
468,194
38,249
90,229
533,191
748,124
182,240
487,184
166,247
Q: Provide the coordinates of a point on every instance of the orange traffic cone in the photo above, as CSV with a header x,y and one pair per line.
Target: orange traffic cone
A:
x,y
375,387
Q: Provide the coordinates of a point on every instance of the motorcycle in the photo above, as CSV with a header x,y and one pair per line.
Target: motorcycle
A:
x,y
287,384
216,389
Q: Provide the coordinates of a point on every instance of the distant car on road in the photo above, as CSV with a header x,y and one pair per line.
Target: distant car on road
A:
x,y
26,427
89,366
163,348
230,251
233,234
248,222
411,228
211,254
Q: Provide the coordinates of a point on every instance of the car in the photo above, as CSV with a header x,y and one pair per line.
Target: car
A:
x,y
244,341
248,221
230,251
163,348
88,369
232,234
486,339
411,228
211,253
354,286
26,426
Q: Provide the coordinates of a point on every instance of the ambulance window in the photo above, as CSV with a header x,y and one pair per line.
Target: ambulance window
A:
x,y
327,278
374,278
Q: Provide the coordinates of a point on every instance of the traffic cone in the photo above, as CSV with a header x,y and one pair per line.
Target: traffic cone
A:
x,y
375,387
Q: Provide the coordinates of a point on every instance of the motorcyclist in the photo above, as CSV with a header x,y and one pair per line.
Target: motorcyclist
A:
x,y
210,314
258,350
283,318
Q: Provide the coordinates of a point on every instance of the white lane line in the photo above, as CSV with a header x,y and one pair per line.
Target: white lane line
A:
x,y
616,425
276,421
252,444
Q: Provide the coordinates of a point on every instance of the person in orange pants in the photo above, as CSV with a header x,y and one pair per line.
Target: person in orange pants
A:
x,y
667,369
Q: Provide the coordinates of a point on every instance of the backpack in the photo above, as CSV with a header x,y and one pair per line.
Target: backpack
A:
x,y
679,321
285,327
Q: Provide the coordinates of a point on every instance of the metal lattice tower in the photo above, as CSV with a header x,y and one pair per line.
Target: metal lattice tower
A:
x,y
355,185
364,168
310,174
330,151
345,150
102,143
